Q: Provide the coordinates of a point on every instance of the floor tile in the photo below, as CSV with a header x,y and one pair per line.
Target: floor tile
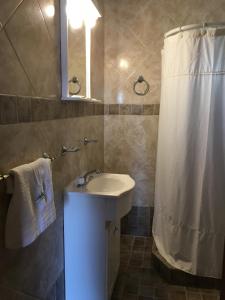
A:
x,y
138,280
147,291
193,296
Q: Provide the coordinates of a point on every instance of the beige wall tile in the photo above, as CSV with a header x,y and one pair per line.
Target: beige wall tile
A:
x,y
13,79
7,9
130,147
134,32
24,143
31,40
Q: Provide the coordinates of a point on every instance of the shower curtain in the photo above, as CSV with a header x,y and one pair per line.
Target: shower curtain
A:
x,y
189,218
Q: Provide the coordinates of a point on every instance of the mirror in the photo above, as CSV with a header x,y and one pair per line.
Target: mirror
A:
x,y
76,62
78,19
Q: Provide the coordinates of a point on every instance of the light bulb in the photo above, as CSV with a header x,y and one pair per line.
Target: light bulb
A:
x,y
123,64
82,11
90,22
76,23
50,10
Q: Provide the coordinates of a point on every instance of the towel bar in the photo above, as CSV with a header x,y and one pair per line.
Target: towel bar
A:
x,y
3,177
52,158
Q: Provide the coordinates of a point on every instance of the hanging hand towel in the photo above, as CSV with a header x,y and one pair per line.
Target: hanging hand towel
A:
x,y
31,209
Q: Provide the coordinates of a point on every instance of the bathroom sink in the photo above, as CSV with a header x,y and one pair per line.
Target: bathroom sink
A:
x,y
113,185
92,214
105,184
115,189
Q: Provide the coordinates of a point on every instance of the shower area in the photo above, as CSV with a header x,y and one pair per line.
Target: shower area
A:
x,y
189,208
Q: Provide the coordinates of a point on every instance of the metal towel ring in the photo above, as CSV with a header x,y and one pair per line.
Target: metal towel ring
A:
x,y
140,80
77,82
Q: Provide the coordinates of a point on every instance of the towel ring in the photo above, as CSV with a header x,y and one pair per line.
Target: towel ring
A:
x,y
76,82
141,80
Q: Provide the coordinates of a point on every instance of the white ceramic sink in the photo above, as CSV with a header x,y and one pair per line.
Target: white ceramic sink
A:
x,y
116,189
112,185
104,184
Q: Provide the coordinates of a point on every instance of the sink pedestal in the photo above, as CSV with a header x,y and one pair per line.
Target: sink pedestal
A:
x,y
92,242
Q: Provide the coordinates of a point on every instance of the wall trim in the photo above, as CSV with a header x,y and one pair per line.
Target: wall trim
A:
x,y
17,109
132,109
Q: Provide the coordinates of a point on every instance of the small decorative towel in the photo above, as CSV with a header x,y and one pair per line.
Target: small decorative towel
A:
x,y
31,209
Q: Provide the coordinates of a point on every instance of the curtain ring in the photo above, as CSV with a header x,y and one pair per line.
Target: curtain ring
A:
x,y
204,25
77,82
140,80
181,31
204,31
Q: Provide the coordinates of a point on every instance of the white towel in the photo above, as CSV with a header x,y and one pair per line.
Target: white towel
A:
x,y
31,209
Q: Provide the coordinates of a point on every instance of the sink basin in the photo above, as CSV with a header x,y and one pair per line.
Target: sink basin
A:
x,y
113,185
116,189
105,184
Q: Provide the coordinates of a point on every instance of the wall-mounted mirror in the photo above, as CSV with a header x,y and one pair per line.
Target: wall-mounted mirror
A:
x,y
78,21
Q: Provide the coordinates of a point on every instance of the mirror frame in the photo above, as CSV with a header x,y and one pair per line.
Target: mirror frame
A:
x,y
64,57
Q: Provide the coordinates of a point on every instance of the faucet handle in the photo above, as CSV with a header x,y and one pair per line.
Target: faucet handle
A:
x,y
69,149
80,181
88,141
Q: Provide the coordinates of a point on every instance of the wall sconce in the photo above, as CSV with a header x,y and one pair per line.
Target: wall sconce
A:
x,y
81,12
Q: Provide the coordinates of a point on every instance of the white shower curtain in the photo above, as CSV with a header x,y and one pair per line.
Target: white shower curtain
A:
x,y
189,218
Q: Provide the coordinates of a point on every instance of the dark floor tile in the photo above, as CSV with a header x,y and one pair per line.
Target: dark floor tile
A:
x,y
130,297
147,262
209,297
119,286
131,286
139,244
126,243
193,296
137,222
134,273
139,280
147,291
125,257
151,277
137,259
123,267
177,295
148,244
161,292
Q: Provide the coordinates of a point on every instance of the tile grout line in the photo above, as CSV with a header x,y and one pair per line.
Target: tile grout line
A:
x,y
11,15
44,19
20,62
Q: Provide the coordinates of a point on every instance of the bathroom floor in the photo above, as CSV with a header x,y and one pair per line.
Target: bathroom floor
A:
x,y
137,280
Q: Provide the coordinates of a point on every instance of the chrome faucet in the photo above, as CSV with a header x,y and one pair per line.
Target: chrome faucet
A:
x,y
69,149
84,179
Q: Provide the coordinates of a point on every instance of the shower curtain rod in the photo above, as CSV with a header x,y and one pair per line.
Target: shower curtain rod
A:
x,y
194,26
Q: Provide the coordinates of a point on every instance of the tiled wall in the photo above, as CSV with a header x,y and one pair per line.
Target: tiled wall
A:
x,y
134,33
29,57
36,268
33,121
130,147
